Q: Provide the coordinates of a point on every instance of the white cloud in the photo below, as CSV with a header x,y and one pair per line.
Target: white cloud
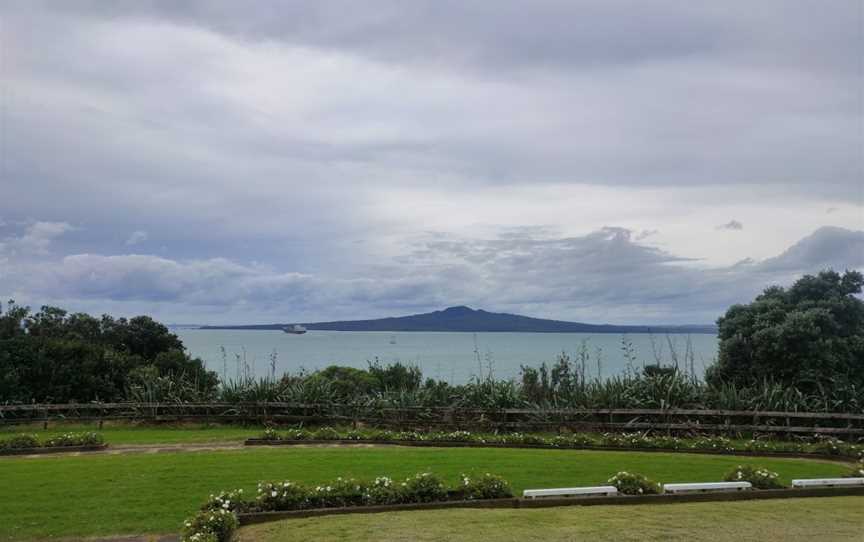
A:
x,y
37,238
316,144
605,276
137,236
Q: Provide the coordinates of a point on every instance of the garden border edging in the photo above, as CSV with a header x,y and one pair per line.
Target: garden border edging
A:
x,y
251,518
53,450
459,444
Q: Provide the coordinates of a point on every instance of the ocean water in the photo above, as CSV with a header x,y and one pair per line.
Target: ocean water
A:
x,y
442,355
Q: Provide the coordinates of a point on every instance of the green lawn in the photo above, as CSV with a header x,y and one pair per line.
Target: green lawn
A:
x,y
87,495
125,433
826,519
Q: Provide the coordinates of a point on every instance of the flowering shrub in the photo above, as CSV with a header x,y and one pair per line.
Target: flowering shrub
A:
x,y
382,490
523,438
423,487
487,486
722,444
630,483
760,477
408,435
20,441
382,435
210,526
297,434
340,492
270,434
458,436
226,500
856,472
281,496
326,433
670,443
831,446
834,446
75,439
560,441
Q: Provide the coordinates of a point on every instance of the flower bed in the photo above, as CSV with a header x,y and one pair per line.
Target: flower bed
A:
x,y
218,516
828,447
223,512
28,443
759,477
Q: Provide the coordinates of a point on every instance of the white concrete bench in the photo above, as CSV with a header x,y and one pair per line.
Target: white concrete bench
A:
x,y
703,488
829,482
598,491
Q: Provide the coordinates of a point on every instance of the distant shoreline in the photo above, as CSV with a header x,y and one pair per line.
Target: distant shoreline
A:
x,y
463,319
694,330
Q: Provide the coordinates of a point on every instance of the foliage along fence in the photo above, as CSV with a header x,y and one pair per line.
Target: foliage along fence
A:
x,y
430,418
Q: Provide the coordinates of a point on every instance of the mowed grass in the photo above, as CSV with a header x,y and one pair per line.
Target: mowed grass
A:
x,y
131,434
824,519
78,496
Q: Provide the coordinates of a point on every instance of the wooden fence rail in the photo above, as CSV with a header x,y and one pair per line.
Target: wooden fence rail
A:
x,y
514,419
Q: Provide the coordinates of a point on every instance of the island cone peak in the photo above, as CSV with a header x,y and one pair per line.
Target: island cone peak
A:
x,y
465,319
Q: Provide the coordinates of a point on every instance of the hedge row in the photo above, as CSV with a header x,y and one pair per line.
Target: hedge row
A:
x,y
819,445
24,441
217,518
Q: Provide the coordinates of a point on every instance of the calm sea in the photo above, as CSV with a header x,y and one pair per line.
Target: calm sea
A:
x,y
449,356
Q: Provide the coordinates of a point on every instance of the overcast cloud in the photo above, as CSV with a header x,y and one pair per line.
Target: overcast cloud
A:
x,y
604,161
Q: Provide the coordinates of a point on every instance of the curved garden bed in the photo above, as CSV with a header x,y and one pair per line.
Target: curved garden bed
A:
x,y
823,448
26,444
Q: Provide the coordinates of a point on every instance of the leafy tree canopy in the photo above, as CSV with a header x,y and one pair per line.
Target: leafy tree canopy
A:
x,y
54,356
810,335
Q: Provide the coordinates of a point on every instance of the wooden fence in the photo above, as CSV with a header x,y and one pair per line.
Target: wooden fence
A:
x,y
655,420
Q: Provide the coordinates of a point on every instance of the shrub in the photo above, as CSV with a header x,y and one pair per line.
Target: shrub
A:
x,y
270,434
856,472
582,439
424,487
834,446
383,435
75,439
561,441
630,483
340,492
409,435
20,441
282,496
226,500
382,490
297,434
760,477
487,486
326,433
210,526
713,443
671,443
354,435
523,438
458,436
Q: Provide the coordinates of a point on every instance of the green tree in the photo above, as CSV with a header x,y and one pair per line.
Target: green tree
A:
x,y
810,335
54,356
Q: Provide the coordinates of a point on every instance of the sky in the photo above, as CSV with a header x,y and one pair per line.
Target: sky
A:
x,y
599,160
